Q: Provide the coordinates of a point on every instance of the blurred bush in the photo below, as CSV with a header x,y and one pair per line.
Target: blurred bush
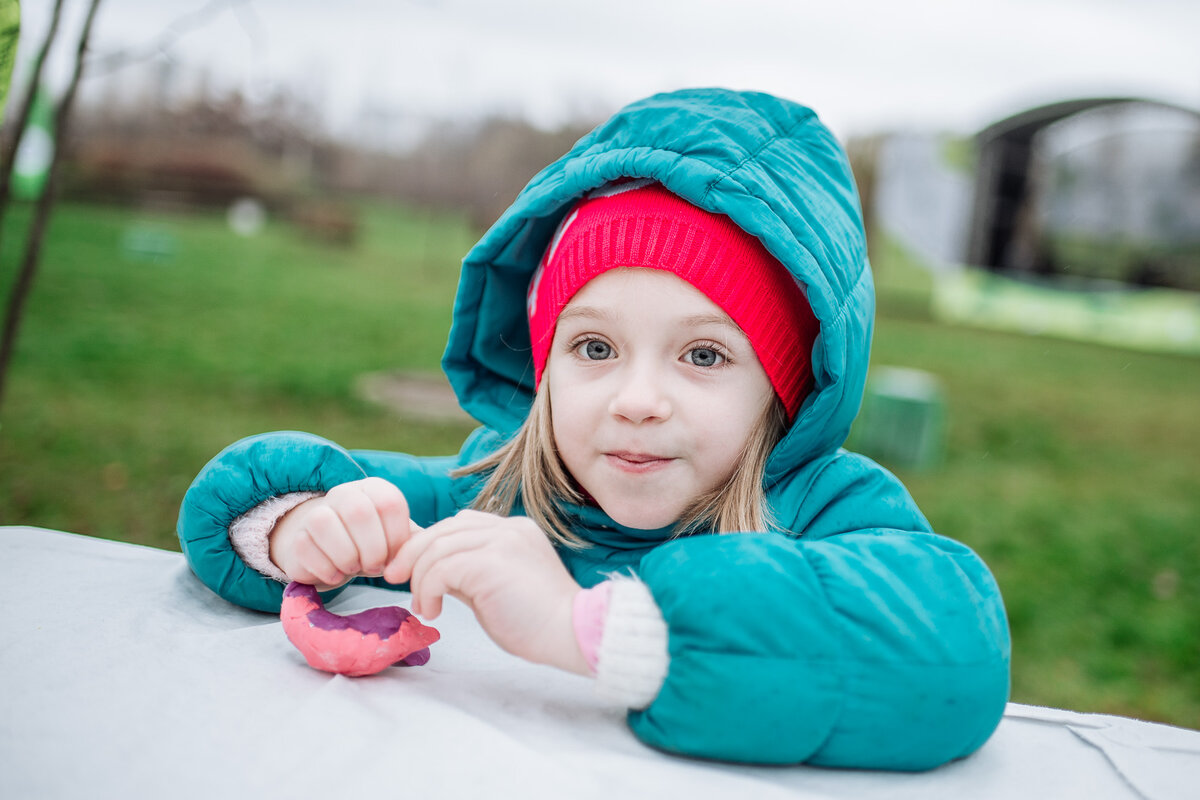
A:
x,y
206,153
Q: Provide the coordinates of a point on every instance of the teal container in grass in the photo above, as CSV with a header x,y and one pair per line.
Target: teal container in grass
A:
x,y
903,419
148,243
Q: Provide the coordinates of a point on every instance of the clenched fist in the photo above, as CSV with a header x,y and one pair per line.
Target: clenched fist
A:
x,y
356,529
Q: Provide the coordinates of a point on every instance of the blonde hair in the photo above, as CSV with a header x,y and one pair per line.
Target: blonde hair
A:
x,y
528,469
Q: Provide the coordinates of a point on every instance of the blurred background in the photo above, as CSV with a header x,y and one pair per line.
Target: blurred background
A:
x,y
259,207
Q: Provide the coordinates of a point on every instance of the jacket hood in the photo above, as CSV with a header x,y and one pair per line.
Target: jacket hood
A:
x,y
767,163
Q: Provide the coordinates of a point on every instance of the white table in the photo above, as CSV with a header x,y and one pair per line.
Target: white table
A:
x,y
125,677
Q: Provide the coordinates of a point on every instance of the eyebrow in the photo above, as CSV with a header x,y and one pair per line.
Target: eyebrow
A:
x,y
586,312
698,320
691,321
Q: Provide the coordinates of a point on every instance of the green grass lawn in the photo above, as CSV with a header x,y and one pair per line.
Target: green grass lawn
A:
x,y
1071,468
132,371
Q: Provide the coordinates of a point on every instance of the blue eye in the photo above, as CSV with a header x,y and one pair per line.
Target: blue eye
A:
x,y
704,357
596,350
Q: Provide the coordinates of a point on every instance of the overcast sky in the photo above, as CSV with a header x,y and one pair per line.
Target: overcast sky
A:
x,y
864,65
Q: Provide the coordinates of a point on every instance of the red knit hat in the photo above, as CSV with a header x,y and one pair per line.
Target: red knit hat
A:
x,y
641,224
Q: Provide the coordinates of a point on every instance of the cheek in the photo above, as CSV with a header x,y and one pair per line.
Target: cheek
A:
x,y
567,422
724,453
725,443
570,397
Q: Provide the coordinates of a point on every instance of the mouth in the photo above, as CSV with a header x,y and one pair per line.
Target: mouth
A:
x,y
637,462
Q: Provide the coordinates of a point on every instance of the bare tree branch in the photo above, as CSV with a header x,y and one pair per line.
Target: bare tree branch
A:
x,y
178,29
9,154
37,230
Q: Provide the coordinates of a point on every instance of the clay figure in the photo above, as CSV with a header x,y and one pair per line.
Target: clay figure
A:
x,y
357,644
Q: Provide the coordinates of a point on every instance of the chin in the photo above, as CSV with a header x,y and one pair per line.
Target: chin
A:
x,y
643,519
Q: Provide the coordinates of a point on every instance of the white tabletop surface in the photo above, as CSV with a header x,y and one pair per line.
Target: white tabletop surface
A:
x,y
126,677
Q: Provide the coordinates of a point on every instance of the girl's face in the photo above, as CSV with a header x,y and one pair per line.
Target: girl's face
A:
x,y
654,392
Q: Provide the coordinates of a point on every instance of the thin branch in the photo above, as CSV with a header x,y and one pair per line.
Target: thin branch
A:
x,y
175,31
41,217
9,154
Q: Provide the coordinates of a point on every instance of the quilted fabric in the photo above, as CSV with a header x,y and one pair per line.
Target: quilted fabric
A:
x,y
853,636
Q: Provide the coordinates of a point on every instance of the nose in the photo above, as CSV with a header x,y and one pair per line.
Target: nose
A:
x,y
640,394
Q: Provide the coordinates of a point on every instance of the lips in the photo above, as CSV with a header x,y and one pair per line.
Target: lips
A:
x,y
637,458
628,461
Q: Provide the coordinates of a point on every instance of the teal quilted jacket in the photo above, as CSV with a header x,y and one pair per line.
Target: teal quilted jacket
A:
x,y
855,637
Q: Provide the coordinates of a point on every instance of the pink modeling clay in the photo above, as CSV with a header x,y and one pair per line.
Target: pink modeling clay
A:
x,y
357,644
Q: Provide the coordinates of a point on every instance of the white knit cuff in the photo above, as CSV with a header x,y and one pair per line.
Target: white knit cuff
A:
x,y
250,533
633,651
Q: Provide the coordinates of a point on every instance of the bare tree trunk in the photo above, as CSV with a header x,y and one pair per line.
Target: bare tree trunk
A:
x,y
37,229
9,154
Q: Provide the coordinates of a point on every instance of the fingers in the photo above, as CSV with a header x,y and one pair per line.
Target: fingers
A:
x,y
324,546
400,569
311,565
354,529
506,571
451,575
443,566
359,525
392,509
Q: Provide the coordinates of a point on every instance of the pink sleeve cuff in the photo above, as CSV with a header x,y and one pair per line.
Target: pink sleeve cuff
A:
x,y
588,614
250,533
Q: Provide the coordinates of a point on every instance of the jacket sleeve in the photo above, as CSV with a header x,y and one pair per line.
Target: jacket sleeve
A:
x,y
860,639
261,467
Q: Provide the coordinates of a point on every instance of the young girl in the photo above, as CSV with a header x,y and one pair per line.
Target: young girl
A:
x,y
666,340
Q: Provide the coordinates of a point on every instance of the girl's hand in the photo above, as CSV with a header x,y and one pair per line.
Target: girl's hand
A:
x,y
355,529
506,570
